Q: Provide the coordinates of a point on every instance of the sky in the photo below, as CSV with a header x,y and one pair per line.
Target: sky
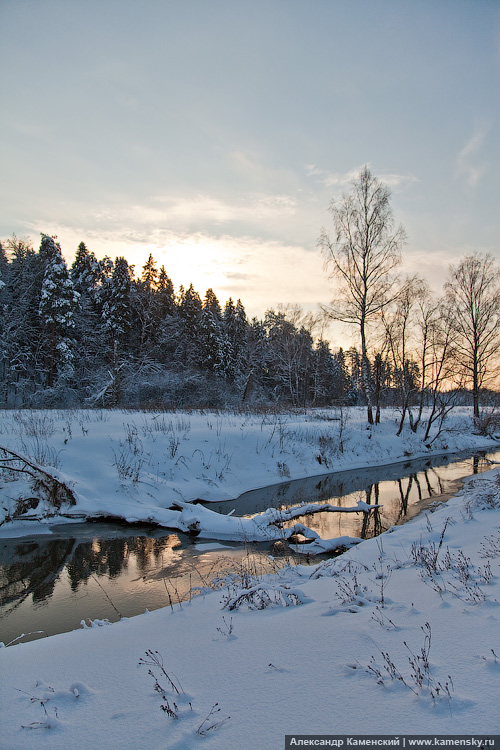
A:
x,y
214,134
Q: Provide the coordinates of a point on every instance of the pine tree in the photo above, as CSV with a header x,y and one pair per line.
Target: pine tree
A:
x,y
229,318
86,274
21,330
116,313
169,325
56,309
165,293
4,306
344,391
230,332
324,374
241,323
212,343
354,369
106,268
146,313
54,322
214,352
212,303
257,357
116,309
4,265
236,329
149,275
189,307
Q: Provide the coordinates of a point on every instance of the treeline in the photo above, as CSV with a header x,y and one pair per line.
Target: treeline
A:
x,y
95,334
434,348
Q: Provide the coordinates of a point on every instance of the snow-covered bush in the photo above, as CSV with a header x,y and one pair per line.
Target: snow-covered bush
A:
x,y
488,422
252,593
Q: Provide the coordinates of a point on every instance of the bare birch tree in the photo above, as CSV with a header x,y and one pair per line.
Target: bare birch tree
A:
x,y
361,256
473,291
401,344
434,322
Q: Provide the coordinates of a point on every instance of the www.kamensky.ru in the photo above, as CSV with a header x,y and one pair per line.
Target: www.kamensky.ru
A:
x,y
402,741
450,742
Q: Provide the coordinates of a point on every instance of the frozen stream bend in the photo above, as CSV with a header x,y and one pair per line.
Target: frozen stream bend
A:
x,y
156,469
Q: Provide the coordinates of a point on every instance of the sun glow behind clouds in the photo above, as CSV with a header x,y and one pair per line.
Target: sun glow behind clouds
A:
x,y
252,247
262,272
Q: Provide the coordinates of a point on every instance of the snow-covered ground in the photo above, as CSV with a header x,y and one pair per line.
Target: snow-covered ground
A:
x,y
398,635
137,465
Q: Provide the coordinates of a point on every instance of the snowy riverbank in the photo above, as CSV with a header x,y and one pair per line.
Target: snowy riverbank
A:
x,y
398,635
144,466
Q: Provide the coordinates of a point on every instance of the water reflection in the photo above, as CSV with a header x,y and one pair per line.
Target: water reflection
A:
x,y
104,571
32,568
110,557
403,490
372,522
34,571
51,584
335,486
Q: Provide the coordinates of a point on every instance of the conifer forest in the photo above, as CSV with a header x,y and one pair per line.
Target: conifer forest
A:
x,y
98,333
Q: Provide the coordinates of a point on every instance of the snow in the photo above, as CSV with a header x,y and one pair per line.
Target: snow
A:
x,y
400,634
139,465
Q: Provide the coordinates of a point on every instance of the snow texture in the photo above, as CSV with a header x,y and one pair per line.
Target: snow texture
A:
x,y
400,634
143,466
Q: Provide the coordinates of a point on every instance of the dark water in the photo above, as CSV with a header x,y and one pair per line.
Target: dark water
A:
x,y
106,571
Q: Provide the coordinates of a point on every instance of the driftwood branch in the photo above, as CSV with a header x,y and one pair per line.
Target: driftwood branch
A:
x,y
57,492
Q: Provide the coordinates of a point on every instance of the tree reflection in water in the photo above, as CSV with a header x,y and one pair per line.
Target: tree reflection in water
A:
x,y
33,567
400,498
61,571
35,570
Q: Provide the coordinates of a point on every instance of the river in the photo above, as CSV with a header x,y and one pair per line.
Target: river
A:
x,y
103,571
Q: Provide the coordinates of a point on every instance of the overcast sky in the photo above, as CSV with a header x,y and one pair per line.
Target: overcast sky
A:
x,y
215,133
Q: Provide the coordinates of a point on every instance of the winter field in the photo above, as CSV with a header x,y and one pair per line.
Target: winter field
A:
x,y
147,466
400,634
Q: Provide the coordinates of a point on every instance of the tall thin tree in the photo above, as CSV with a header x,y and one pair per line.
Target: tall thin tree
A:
x,y
473,290
361,257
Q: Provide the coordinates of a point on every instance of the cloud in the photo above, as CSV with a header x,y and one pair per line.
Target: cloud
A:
x,y
432,264
397,181
257,170
203,208
235,276
263,272
269,205
342,179
160,218
468,166
330,179
166,209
